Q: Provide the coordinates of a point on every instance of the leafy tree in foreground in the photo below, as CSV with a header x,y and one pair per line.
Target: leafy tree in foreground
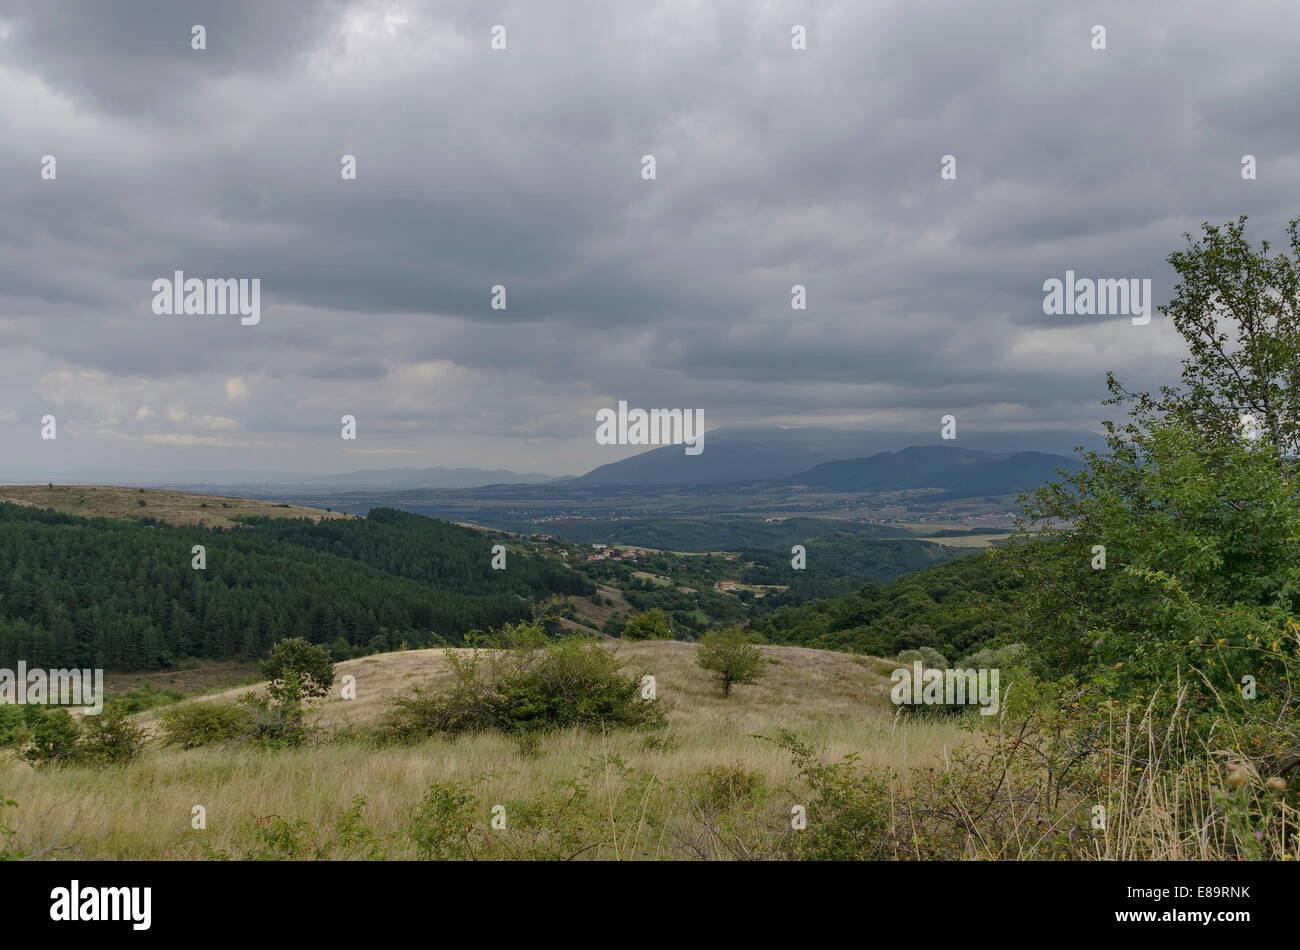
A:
x,y
1175,549
1238,310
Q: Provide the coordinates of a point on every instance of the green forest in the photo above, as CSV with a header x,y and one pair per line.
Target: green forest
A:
x,y
122,594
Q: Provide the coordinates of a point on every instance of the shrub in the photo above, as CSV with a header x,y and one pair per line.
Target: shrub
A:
x,y
191,725
610,811
650,625
53,738
725,787
444,823
6,833
931,659
111,738
298,670
997,658
275,724
526,684
731,659
142,698
279,839
847,810
13,727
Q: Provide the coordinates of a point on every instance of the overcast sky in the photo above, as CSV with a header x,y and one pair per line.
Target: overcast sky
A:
x,y
523,167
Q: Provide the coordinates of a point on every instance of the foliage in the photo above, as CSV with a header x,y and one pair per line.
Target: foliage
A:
x,y
114,594
1238,311
279,839
525,683
298,670
55,738
111,738
13,725
649,625
7,853
195,724
953,608
1181,537
731,658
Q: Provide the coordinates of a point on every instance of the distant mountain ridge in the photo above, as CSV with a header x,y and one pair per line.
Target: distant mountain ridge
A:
x,y
437,477
757,453
392,479
962,473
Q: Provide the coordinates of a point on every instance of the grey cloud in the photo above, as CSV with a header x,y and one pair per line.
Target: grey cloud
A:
x,y
522,168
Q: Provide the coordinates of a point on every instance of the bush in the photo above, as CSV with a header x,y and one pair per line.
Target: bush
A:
x,y
275,724
997,658
298,670
444,823
526,684
650,625
13,727
191,725
111,738
724,787
731,659
847,810
6,833
931,659
142,698
53,738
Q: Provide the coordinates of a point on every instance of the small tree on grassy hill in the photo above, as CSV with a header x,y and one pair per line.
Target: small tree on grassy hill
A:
x,y
731,658
298,670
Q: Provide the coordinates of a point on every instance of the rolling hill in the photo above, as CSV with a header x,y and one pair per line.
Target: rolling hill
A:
x,y
168,507
841,702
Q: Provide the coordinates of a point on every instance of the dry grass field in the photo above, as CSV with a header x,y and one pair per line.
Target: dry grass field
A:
x,y
802,686
143,810
171,507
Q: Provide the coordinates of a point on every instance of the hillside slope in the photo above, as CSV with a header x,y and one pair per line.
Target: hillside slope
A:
x,y
170,507
623,780
802,685
126,593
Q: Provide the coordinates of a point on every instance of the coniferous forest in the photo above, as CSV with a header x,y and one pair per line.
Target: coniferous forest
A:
x,y
95,592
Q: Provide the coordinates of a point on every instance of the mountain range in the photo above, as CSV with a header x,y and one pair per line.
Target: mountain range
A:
x,y
961,473
809,455
757,453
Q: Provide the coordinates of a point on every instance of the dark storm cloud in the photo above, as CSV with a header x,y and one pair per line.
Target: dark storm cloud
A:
x,y
521,168
135,57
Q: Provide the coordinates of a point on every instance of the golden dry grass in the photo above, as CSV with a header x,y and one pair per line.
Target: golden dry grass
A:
x,y
171,507
187,677
143,811
801,686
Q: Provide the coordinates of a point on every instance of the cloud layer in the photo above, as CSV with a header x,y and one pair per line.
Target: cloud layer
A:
x,y
522,167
